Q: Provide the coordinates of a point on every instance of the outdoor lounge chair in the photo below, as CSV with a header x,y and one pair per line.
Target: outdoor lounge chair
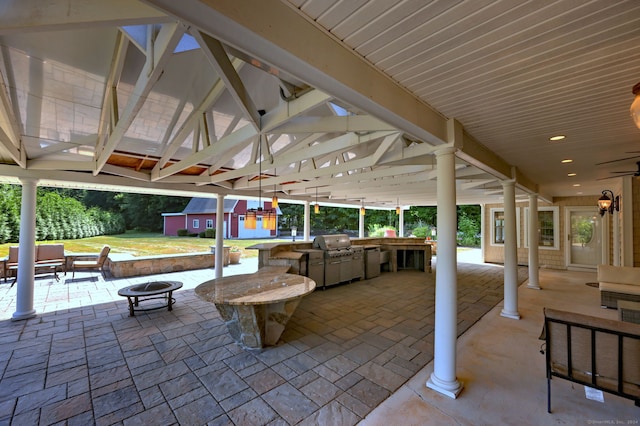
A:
x,y
98,263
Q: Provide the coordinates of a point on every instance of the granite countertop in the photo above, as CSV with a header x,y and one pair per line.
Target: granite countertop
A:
x,y
268,285
412,244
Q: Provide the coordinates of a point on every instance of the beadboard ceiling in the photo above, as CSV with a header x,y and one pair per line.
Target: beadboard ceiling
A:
x,y
341,101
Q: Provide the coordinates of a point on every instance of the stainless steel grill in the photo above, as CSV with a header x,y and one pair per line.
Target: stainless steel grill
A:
x,y
342,262
315,265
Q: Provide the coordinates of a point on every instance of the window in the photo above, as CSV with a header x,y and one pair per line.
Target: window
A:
x,y
548,228
209,224
497,218
196,223
498,227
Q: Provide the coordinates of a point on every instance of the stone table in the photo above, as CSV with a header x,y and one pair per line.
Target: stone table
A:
x,y
256,307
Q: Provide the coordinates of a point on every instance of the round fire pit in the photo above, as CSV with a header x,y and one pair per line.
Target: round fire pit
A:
x,y
147,291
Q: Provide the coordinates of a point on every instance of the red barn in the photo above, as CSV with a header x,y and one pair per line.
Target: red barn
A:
x,y
200,214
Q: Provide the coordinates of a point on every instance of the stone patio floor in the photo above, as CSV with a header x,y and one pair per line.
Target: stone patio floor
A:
x,y
83,360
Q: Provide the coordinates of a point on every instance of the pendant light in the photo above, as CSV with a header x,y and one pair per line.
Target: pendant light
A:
x,y
316,208
250,219
362,210
398,207
274,199
269,218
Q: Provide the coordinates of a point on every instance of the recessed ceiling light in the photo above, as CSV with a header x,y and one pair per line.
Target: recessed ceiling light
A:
x,y
567,160
571,174
576,184
557,138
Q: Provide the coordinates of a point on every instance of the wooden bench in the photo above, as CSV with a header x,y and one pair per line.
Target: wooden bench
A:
x,y
596,352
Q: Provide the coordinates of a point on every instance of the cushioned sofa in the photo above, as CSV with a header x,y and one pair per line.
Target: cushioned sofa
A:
x,y
51,255
618,283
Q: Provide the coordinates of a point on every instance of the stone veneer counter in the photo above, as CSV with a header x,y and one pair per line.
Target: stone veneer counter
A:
x,y
256,307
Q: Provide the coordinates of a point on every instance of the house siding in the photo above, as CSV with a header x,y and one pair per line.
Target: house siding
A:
x,y
172,224
547,258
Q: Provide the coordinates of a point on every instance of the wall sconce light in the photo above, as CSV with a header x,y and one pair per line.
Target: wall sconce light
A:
x,y
635,105
606,204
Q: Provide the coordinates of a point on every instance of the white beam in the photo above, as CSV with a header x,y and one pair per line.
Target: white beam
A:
x,y
162,48
378,173
292,109
349,123
46,164
20,16
339,143
219,60
237,137
187,127
303,49
109,110
9,127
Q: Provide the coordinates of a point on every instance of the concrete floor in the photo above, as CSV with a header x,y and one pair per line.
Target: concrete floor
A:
x,y
503,371
357,353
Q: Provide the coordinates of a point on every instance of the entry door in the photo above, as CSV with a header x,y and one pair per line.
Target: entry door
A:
x,y
585,238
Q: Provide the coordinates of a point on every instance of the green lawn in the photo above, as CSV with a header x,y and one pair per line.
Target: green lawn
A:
x,y
146,244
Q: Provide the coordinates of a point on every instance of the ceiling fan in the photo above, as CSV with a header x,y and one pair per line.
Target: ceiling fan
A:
x,y
621,159
626,172
630,172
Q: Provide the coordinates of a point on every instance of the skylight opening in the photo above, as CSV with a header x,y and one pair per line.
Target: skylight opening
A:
x,y
137,34
338,110
186,43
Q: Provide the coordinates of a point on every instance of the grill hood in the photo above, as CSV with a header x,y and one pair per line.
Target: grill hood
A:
x,y
332,242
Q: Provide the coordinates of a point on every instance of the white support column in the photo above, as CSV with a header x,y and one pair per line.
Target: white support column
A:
x,y
616,239
443,379
510,309
483,230
360,225
604,237
26,251
626,231
401,223
534,272
219,260
307,221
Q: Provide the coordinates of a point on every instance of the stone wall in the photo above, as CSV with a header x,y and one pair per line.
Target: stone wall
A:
x,y
149,265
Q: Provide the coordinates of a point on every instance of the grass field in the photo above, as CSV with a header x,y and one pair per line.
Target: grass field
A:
x,y
146,244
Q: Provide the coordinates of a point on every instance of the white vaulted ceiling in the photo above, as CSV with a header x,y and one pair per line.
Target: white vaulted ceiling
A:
x,y
347,98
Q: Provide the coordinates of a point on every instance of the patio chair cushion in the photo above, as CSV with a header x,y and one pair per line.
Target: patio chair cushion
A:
x,y
48,253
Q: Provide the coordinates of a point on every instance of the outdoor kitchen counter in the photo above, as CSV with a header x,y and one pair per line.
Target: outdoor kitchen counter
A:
x,y
414,253
409,255
256,307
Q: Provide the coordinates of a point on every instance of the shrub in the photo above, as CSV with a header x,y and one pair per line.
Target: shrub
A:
x,y
378,231
210,233
202,234
193,234
421,231
182,232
